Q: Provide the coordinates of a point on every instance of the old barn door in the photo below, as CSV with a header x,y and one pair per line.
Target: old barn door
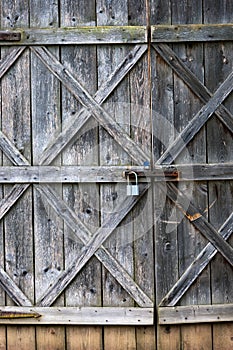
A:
x,y
85,112
69,232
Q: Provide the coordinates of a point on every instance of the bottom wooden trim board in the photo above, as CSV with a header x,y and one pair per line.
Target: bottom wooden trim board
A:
x,y
195,314
76,315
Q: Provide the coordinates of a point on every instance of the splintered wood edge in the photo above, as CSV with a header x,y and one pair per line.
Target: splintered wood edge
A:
x,y
195,314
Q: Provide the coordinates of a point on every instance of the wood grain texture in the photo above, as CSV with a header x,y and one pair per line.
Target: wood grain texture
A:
x,y
15,126
80,316
109,262
191,32
78,119
219,150
196,267
114,129
192,81
195,314
77,36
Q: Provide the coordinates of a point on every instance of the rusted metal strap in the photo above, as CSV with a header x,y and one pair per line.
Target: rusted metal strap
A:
x,y
10,36
172,173
16,314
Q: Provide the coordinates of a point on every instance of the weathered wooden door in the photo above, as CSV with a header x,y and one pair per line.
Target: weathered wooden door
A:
x,y
82,110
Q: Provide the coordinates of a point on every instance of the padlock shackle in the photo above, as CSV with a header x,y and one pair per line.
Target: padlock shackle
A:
x,y
135,174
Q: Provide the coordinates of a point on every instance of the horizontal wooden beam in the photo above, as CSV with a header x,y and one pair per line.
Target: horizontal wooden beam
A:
x,y
82,35
105,174
79,315
195,314
192,32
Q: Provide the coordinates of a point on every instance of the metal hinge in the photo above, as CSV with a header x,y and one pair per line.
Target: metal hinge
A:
x,y
10,36
17,314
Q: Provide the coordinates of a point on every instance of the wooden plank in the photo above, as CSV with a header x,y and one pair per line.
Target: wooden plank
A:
x,y
114,129
82,316
166,255
78,36
205,228
197,266
193,82
192,32
15,87
186,105
9,59
79,119
102,254
111,153
82,337
217,58
45,119
195,314
102,174
85,290
108,226
197,122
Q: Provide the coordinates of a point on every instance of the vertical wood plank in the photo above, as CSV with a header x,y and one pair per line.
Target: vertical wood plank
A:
x,y
2,252
142,215
47,225
83,198
16,126
166,255
218,65
190,241
115,13
80,338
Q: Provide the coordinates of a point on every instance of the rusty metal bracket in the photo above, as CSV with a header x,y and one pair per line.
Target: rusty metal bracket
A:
x,y
169,174
10,36
15,314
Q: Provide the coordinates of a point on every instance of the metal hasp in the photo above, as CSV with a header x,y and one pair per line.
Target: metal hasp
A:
x,y
16,314
132,190
10,36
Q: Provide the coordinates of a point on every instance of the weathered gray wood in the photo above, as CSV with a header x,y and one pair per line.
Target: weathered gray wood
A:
x,y
193,82
195,314
109,58
15,133
78,36
102,254
9,59
109,225
102,174
84,97
45,119
71,128
11,198
197,122
197,266
191,32
218,62
81,316
83,198
196,218
13,291
11,151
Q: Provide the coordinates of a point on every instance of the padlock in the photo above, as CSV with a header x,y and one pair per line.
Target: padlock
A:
x,y
132,190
